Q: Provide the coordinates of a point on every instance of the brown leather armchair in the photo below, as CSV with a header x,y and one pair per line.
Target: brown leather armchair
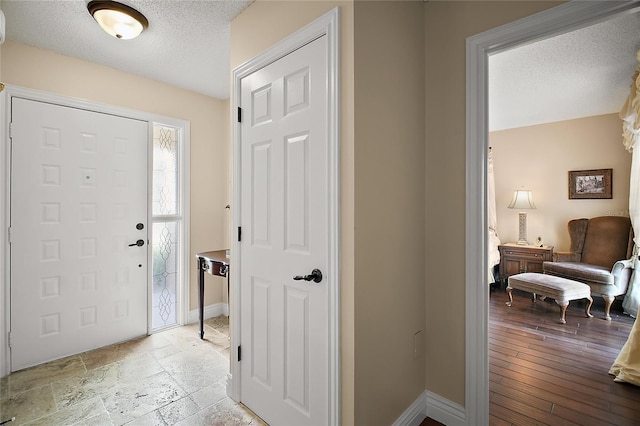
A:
x,y
600,249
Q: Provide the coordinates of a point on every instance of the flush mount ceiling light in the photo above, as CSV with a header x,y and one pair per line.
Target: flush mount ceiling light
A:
x,y
117,19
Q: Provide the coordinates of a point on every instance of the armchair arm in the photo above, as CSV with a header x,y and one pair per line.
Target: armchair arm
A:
x,y
566,256
621,272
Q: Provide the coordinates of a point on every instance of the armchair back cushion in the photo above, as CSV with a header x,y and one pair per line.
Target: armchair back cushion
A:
x,y
607,239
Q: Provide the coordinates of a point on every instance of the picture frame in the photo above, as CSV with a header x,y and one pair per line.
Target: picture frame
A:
x,y
590,184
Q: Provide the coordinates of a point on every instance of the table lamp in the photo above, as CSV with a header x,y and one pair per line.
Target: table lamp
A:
x,y
522,199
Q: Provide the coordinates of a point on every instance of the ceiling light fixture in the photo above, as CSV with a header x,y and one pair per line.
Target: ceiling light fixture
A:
x,y
117,19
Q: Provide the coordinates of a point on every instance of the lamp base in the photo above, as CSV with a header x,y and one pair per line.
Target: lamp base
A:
x,y
522,229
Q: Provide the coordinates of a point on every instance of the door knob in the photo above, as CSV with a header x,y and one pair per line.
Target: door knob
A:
x,y
316,276
138,243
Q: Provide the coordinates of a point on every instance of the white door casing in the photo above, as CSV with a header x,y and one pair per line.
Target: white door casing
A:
x,y
557,20
286,192
78,190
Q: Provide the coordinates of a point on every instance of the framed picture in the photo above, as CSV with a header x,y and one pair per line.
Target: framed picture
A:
x,y
590,184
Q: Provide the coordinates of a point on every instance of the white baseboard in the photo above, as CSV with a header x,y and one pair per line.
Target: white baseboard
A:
x,y
415,414
210,311
434,406
445,411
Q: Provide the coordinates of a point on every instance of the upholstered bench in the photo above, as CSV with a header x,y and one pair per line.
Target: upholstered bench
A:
x,y
560,289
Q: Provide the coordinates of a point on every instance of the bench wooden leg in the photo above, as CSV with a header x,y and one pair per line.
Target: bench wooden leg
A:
x,y
509,290
563,311
587,310
608,300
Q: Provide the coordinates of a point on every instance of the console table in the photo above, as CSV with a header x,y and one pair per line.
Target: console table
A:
x,y
215,263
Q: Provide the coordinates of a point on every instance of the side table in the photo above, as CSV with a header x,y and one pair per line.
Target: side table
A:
x,y
215,263
516,259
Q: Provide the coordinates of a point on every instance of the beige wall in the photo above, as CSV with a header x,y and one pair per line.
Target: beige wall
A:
x,y
539,157
448,24
389,208
44,70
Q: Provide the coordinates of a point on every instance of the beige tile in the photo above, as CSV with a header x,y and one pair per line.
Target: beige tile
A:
x,y
130,401
219,340
219,323
77,389
178,410
226,353
225,412
196,368
79,414
4,387
211,394
103,419
185,338
44,374
29,405
114,353
150,419
158,380
101,381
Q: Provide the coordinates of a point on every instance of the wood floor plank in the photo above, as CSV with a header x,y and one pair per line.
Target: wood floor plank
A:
x,y
544,372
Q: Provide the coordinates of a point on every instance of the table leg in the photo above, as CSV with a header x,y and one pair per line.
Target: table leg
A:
x,y
201,296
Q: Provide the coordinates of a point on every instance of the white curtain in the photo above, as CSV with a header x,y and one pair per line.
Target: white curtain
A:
x,y
626,367
630,115
492,219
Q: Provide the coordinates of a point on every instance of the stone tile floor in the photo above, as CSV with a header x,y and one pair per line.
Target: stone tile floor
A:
x,y
168,378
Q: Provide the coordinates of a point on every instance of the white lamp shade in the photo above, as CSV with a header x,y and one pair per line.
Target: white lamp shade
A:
x,y
522,199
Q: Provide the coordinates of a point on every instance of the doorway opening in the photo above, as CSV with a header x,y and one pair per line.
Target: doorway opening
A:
x,y
546,24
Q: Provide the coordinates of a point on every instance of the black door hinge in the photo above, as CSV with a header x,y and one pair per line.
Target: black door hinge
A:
x,y
239,233
239,115
239,353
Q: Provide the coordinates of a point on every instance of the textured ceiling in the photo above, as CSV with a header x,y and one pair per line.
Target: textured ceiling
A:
x,y
583,73
186,44
579,74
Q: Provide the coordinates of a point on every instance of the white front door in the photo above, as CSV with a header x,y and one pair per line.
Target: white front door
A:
x,y
78,203
284,217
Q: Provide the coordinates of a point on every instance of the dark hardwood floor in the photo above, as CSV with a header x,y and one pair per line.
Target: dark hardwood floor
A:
x,y
542,372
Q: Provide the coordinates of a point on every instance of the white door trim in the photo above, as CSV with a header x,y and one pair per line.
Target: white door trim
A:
x,y
5,173
558,20
328,25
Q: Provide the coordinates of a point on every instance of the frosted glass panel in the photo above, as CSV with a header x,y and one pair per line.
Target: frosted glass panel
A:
x,y
165,274
165,171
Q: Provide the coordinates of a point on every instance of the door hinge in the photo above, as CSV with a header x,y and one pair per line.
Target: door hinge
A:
x,y
9,234
239,233
239,115
239,353
10,130
9,338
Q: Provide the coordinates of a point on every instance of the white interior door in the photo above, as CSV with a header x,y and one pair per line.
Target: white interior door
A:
x,y
78,199
284,217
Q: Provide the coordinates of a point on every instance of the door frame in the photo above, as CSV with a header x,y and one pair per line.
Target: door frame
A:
x,y
6,94
327,25
558,20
